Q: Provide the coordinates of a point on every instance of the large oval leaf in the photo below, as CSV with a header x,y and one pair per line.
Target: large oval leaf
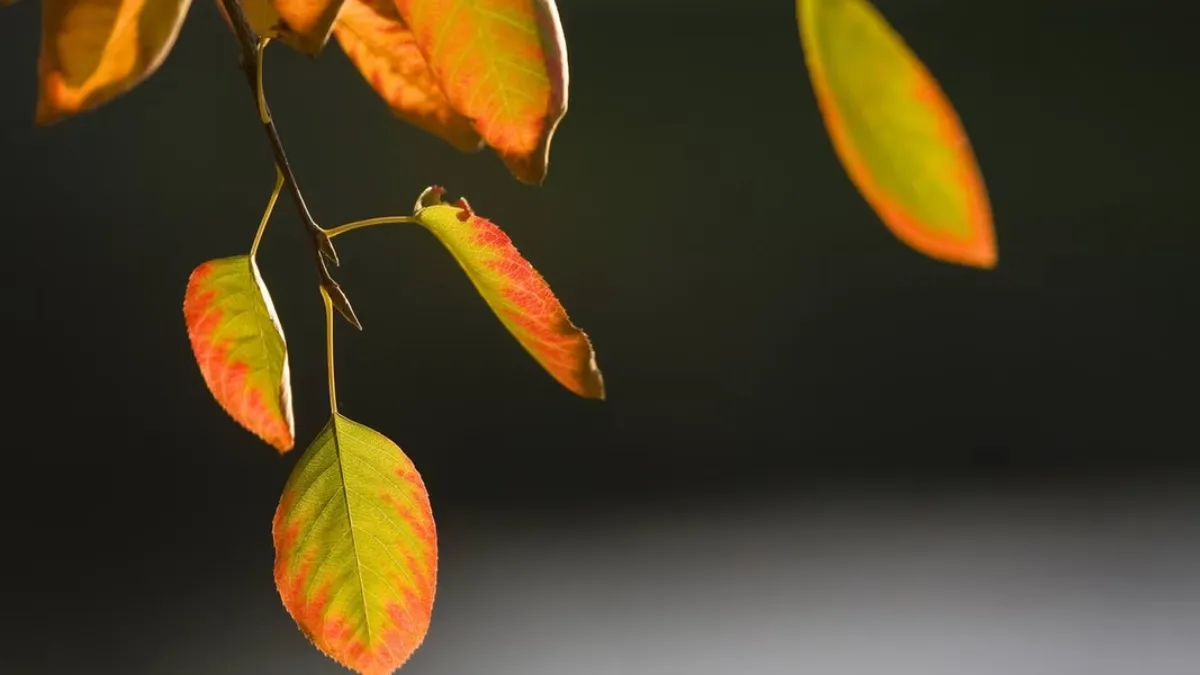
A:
x,y
95,50
239,346
356,549
503,64
383,49
515,291
895,132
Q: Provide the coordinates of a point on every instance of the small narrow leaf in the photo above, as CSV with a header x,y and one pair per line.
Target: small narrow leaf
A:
x,y
356,549
896,133
382,48
502,64
303,25
95,50
239,346
515,291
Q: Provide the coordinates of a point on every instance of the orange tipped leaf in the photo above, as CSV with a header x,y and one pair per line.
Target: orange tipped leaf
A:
x,y
382,47
502,64
896,133
92,51
356,549
239,346
515,291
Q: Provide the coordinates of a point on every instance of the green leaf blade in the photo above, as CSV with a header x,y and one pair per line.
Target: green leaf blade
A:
x,y
238,343
895,132
515,291
356,549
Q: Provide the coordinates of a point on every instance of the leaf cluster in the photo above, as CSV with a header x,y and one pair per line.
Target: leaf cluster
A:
x,y
355,541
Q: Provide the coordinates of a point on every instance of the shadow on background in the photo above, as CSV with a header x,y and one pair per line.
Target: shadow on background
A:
x,y
821,451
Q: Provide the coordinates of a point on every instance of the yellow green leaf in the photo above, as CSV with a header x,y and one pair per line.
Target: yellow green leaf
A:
x,y
382,47
95,50
896,133
503,65
239,346
514,290
356,549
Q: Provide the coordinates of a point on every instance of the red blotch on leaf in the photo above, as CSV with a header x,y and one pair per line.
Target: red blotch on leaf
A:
x,y
226,377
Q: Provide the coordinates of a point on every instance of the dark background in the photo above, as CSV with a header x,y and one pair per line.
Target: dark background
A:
x,y
821,451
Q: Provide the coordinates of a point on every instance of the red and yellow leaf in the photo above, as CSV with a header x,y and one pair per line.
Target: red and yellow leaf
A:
x,y
895,132
515,291
304,25
356,549
383,49
239,346
502,64
95,50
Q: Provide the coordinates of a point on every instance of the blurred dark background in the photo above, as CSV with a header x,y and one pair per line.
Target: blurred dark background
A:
x,y
821,451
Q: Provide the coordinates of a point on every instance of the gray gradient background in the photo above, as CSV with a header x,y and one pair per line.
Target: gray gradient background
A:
x,y
822,453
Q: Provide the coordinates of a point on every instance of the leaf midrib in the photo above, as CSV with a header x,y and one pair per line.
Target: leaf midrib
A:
x,y
362,589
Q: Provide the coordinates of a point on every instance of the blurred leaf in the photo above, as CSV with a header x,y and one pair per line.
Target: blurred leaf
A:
x,y
239,346
95,50
304,25
502,64
375,38
896,133
515,292
356,549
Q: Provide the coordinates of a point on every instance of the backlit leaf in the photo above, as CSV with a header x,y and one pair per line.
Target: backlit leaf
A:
x,y
515,292
503,64
304,25
356,549
95,50
239,346
379,43
896,133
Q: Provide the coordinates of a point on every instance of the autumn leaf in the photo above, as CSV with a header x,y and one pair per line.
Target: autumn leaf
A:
x,y
239,345
502,64
304,25
514,290
380,45
896,133
95,50
356,549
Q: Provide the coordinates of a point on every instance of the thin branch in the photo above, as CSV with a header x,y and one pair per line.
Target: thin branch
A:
x,y
333,408
369,222
251,61
266,217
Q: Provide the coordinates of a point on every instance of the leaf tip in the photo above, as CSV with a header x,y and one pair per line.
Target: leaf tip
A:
x,y
592,381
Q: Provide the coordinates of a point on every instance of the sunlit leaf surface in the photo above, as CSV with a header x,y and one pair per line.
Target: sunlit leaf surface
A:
x,y
895,132
95,50
382,48
502,64
304,25
356,549
515,291
239,346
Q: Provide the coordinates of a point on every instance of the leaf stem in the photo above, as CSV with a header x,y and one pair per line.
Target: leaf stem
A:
x,y
252,47
266,217
382,220
329,351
